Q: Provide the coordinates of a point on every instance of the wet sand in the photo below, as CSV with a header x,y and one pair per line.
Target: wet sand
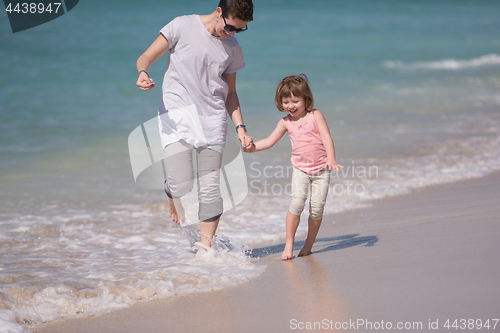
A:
x,y
412,262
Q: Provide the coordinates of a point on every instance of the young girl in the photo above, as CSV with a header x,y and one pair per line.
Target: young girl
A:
x,y
313,157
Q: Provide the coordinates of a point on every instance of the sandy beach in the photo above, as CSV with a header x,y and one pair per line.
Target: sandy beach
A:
x,y
412,263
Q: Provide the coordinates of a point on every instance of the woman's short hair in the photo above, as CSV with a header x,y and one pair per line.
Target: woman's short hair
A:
x,y
296,85
239,9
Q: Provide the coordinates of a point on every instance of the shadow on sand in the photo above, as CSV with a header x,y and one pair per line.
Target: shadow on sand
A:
x,y
320,245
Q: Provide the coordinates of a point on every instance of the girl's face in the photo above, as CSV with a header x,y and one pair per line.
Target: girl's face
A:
x,y
294,106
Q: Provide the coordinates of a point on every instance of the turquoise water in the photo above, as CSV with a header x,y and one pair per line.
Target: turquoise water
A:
x,y
410,90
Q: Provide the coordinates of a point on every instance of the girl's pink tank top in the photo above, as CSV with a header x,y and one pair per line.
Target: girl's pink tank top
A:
x,y
308,151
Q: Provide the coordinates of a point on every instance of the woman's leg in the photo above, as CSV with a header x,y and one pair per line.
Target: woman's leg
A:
x,y
209,164
207,231
180,176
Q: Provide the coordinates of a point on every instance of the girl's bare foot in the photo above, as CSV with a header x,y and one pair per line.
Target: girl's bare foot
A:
x,y
287,253
304,253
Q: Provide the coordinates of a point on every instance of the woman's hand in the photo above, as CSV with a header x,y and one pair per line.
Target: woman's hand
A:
x,y
245,140
248,145
159,47
144,82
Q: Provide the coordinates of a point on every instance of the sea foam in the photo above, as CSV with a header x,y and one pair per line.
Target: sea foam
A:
x,y
446,64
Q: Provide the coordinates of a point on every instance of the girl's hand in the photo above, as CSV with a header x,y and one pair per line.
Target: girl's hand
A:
x,y
333,165
144,82
250,148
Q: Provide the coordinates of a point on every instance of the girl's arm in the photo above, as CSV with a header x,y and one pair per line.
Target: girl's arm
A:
x,y
153,53
234,110
327,142
272,139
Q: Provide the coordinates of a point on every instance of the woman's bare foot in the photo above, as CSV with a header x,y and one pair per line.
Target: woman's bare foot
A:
x,y
207,232
172,211
176,210
287,253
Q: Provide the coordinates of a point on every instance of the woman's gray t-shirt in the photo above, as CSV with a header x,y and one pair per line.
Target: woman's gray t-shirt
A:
x,y
194,93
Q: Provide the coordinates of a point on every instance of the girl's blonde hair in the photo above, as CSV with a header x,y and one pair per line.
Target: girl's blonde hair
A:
x,y
296,85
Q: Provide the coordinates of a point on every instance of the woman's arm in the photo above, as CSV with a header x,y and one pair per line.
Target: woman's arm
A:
x,y
153,53
324,132
234,110
272,139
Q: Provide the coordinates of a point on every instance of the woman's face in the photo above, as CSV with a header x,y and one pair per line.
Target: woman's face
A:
x,y
234,22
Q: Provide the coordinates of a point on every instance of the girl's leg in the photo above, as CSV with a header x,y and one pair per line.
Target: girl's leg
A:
x,y
319,192
292,223
300,188
312,231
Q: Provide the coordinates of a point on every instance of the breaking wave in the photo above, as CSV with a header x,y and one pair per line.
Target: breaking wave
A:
x,y
446,64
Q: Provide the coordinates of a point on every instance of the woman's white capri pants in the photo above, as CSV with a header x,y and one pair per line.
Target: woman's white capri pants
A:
x,y
181,176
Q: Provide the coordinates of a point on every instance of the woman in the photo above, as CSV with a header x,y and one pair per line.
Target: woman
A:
x,y
198,87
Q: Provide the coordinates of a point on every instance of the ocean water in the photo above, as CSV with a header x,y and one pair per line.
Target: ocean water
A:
x,y
410,90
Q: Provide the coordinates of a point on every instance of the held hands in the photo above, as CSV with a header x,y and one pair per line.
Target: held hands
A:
x,y
248,145
144,82
246,141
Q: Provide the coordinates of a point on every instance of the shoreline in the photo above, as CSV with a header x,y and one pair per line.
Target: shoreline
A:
x,y
423,257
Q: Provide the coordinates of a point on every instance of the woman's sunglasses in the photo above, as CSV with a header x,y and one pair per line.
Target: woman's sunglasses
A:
x,y
230,28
